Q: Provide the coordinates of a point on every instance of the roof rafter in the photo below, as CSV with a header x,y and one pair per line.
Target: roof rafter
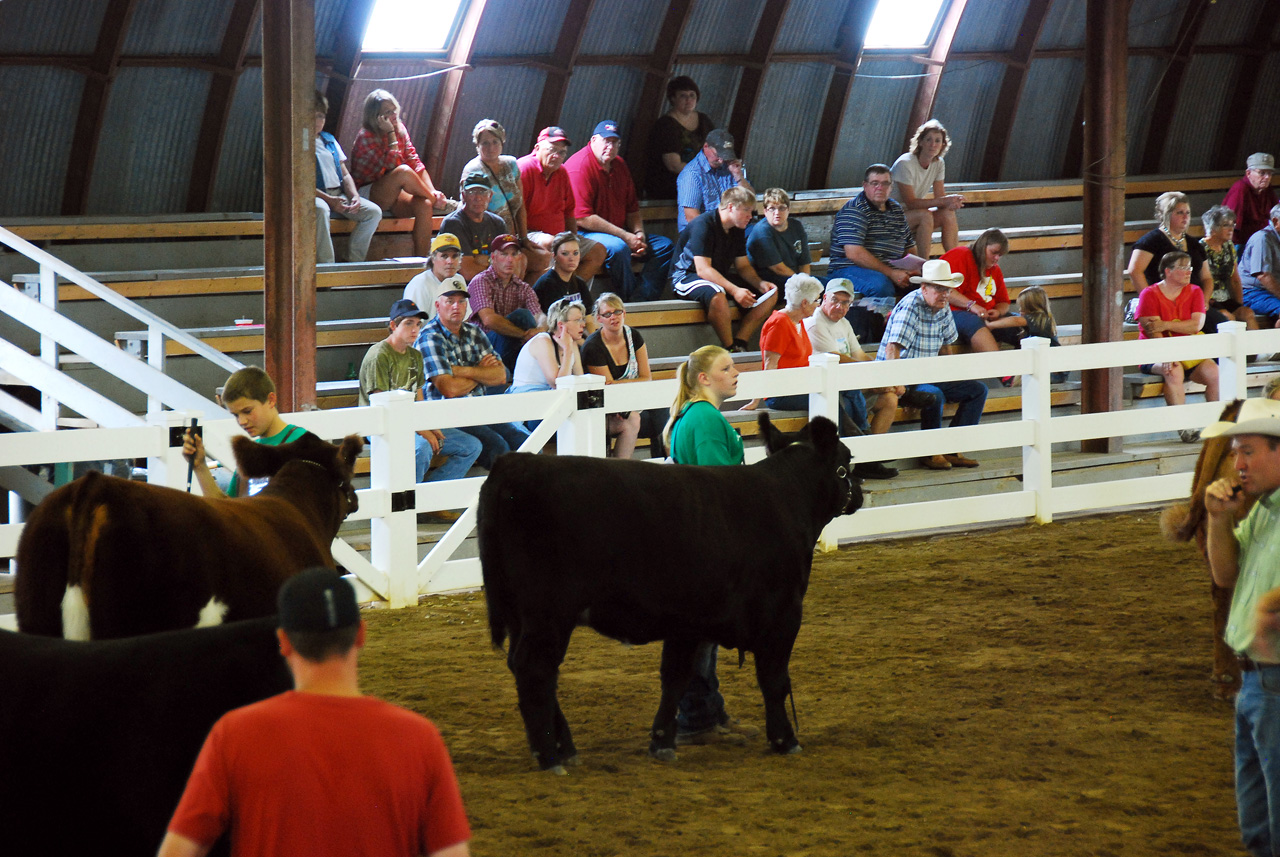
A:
x,y
564,59
853,34
446,108
346,57
939,51
93,104
1015,76
1166,101
217,108
766,36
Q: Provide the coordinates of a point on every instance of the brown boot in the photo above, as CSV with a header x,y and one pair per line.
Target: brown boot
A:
x,y
936,462
956,459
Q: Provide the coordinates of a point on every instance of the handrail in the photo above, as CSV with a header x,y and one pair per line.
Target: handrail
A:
x,y
84,281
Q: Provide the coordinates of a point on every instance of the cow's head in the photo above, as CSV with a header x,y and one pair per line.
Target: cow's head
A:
x,y
255,460
834,458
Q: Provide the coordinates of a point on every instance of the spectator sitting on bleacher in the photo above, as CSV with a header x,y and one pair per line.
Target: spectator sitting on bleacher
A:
x,y
784,340
778,246
918,176
476,226
548,199
459,361
619,355
507,200
1260,269
394,364
870,239
1174,306
1252,198
981,303
829,331
553,354
1221,256
922,325
607,210
337,195
387,169
714,170
1174,213
562,280
504,306
442,264
676,136
712,266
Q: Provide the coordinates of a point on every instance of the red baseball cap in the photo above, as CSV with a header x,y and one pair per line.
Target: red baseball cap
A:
x,y
552,134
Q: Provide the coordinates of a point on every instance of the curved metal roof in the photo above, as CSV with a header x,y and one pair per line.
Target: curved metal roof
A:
x,y
115,95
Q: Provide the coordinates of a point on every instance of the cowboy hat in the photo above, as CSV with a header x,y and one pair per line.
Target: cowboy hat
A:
x,y
937,272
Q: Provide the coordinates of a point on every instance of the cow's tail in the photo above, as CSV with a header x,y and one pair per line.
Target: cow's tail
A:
x,y
49,555
492,565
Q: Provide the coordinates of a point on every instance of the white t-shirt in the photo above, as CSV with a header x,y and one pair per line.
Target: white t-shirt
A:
x,y
422,291
907,171
835,337
325,159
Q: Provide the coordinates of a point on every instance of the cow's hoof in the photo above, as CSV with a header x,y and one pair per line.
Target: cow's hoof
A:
x,y
794,750
663,754
572,762
557,770
785,747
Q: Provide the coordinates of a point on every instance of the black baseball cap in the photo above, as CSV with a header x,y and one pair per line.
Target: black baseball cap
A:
x,y
317,600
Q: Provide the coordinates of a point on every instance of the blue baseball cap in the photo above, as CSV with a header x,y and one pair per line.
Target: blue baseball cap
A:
x,y
607,128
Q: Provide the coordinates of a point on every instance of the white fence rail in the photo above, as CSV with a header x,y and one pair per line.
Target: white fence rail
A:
x,y
575,413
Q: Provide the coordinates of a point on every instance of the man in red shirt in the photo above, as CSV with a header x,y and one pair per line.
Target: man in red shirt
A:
x,y
321,769
607,210
1252,198
548,199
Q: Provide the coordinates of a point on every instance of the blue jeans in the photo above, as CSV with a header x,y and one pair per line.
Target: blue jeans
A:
x,y
702,706
793,402
854,404
865,281
495,440
462,449
508,347
1261,301
1258,760
617,261
971,396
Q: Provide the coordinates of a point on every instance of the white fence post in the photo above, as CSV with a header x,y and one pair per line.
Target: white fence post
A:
x,y
169,467
1037,459
155,357
48,296
825,402
1233,371
583,433
394,536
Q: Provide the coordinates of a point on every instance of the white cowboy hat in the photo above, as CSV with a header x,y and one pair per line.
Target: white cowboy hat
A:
x,y
937,272
1257,416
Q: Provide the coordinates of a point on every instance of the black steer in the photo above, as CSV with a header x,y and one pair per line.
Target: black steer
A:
x,y
696,554
99,737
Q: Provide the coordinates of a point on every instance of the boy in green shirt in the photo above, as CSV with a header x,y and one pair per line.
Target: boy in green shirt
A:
x,y
250,396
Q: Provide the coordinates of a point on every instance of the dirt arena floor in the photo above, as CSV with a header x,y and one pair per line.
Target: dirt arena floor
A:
x,y
1031,691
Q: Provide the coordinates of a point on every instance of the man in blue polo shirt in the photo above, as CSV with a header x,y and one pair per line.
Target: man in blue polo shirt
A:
x,y
869,233
712,171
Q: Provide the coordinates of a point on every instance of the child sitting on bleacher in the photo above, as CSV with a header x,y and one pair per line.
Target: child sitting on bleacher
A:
x,y
1037,320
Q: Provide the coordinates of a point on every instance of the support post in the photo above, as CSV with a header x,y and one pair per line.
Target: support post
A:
x,y
1233,370
1105,81
583,433
393,537
825,402
288,207
1037,458
169,467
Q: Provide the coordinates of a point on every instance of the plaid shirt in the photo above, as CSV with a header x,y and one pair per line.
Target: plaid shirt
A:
x,y
698,186
918,328
375,155
441,351
486,291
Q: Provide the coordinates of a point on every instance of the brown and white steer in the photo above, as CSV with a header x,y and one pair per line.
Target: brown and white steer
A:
x,y
1184,521
104,557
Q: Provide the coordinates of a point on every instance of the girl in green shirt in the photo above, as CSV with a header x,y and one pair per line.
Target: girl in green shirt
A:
x,y
697,433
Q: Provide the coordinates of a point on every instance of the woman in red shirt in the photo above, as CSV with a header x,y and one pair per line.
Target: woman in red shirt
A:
x,y
1175,307
784,342
388,171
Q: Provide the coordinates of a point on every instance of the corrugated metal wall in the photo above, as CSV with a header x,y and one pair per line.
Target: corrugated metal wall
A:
x,y
719,87
721,26
35,143
177,28
1042,125
596,93
1154,23
1145,75
810,26
994,30
495,92
237,186
1191,133
965,104
1260,127
523,29
41,27
149,141
879,104
1063,26
625,27
780,141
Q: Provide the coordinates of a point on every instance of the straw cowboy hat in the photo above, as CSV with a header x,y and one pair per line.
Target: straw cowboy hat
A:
x,y
1257,416
937,272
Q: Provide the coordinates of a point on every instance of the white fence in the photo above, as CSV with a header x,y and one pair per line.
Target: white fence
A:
x,y
575,414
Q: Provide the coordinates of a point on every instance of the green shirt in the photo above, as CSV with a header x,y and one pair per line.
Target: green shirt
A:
x,y
384,369
288,434
702,435
1258,561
